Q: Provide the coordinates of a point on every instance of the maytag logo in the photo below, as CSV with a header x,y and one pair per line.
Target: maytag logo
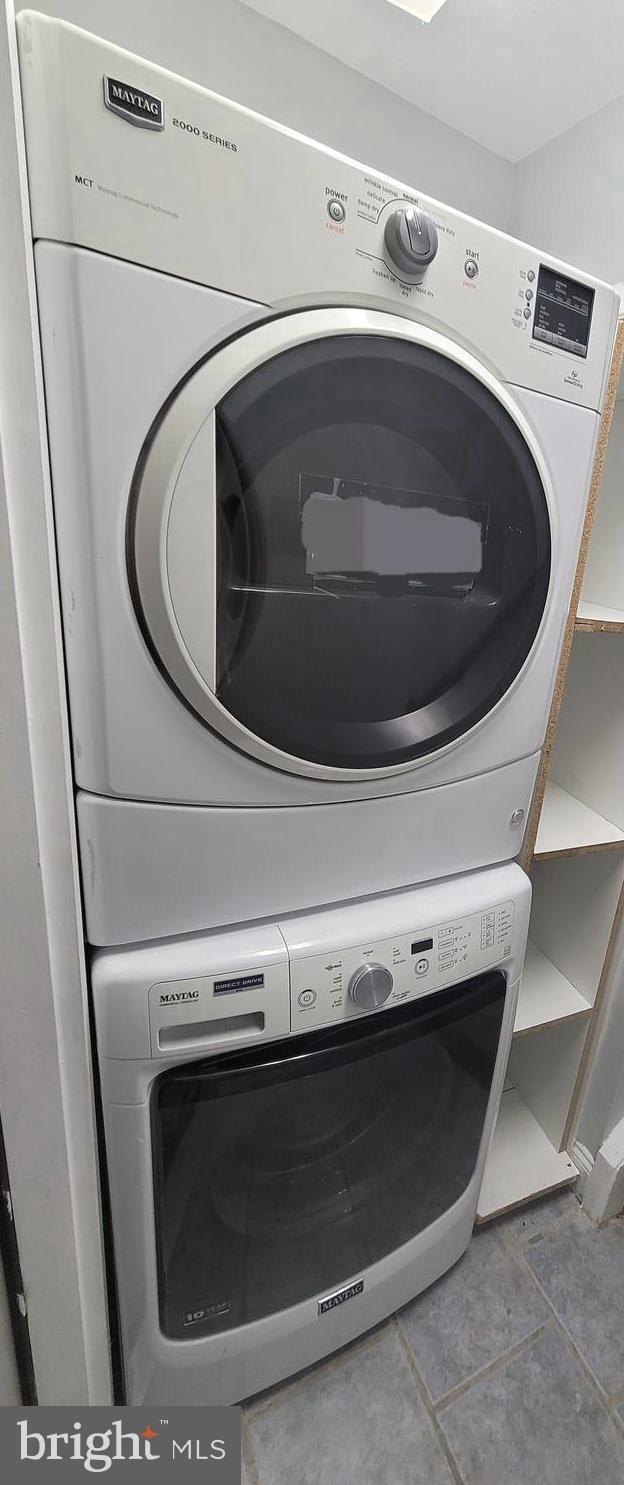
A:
x,y
177,997
341,1296
133,104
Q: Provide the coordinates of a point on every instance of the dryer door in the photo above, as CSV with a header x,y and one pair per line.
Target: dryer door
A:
x,y
340,542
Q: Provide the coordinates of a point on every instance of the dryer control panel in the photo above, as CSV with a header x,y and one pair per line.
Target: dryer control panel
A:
x,y
344,982
332,230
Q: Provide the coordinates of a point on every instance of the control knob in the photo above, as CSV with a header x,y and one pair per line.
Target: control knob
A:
x,y
411,240
370,986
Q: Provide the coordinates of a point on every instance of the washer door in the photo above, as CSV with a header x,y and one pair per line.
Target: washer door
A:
x,y
340,542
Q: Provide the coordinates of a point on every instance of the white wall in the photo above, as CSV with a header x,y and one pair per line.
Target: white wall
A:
x,y
568,197
233,50
45,1081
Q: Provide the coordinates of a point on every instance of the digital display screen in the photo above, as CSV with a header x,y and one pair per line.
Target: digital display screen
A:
x,y
563,311
238,982
422,943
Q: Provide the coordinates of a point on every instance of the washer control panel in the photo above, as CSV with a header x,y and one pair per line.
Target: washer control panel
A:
x,y
350,982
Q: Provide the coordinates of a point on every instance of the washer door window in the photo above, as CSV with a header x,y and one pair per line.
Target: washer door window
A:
x,y
340,543
282,1173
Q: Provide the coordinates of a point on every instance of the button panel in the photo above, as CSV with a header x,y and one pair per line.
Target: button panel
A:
x,y
461,948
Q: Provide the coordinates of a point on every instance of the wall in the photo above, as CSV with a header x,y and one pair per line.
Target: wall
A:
x,y
10,1395
47,1093
568,197
233,50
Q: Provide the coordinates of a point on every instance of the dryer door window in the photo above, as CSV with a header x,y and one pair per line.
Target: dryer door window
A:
x,y
379,553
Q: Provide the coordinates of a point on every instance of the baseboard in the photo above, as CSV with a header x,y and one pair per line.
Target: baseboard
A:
x,y
603,1187
584,1162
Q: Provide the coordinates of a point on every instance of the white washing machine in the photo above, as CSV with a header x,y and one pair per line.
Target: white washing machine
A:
x,y
320,451
297,1117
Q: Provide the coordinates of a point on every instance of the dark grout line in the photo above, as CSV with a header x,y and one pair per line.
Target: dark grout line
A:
x,y
619,1422
518,1252
262,1403
616,1398
423,1393
492,1366
601,1395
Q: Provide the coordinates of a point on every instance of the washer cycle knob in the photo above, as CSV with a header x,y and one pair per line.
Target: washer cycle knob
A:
x,y
411,240
370,986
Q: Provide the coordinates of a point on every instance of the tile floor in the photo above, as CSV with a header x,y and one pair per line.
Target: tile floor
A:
x,y
509,1371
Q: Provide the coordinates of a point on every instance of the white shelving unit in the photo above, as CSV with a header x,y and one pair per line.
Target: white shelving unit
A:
x,y
546,996
568,826
575,857
522,1161
597,618
574,903
587,757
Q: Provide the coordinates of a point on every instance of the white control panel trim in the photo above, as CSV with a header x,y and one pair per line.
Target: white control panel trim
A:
x,y
421,961
155,1004
246,999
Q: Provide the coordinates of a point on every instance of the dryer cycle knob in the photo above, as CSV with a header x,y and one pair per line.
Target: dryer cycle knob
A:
x,y
411,240
370,986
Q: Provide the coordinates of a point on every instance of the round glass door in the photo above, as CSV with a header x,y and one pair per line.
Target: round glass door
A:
x,y
379,549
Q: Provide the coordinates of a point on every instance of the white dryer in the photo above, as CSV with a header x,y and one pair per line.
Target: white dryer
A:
x,y
320,451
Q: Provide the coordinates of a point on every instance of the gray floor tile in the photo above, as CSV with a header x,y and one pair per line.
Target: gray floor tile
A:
x,y
357,1422
534,1421
531,1222
256,1400
471,1316
581,1269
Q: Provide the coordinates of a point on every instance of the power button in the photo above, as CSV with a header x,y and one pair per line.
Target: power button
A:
x,y
306,999
336,210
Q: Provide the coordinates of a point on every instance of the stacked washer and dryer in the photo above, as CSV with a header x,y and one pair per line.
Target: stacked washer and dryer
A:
x,y
320,454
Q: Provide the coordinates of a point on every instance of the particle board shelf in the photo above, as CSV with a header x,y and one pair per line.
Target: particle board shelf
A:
x,y
546,996
595,618
568,827
521,1162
